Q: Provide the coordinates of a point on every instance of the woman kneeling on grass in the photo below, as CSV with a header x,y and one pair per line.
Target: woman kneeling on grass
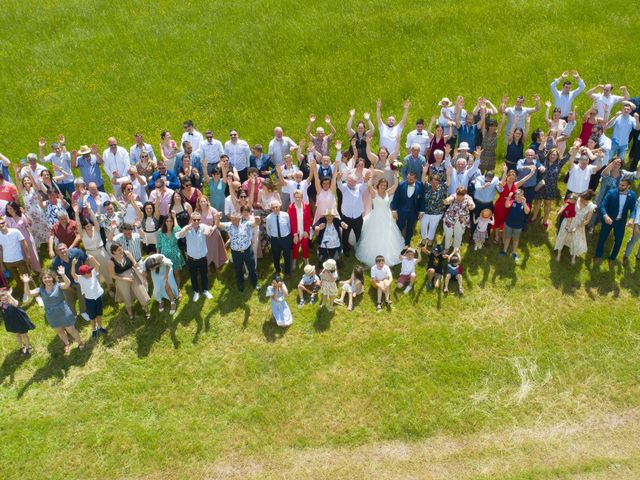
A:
x,y
381,279
16,320
56,309
280,310
164,282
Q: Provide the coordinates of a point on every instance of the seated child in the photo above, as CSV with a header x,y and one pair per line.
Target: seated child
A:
x,y
309,283
408,269
454,270
352,287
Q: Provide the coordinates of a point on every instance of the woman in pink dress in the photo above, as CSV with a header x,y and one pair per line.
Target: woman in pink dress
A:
x,y
168,149
17,218
216,253
326,188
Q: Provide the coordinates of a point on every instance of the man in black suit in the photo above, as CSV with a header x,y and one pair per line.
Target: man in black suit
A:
x,y
408,206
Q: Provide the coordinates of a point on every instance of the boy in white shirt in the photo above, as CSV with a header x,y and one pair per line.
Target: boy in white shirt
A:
x,y
309,283
408,269
92,291
381,279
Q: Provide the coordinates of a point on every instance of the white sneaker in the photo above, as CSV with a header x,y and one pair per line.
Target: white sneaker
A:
x,y
207,294
407,289
85,315
25,298
39,301
196,296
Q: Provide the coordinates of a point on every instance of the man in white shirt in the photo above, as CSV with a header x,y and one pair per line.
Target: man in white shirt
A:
x,y
352,208
418,136
518,111
138,147
14,253
389,131
580,174
238,152
61,161
291,186
605,100
196,234
623,123
563,99
279,231
191,135
116,163
210,151
461,175
381,279
280,146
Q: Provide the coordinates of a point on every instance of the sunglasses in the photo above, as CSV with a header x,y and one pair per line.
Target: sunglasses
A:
x,y
233,134
144,156
195,219
113,144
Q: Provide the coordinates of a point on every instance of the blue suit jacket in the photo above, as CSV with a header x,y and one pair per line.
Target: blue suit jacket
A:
x,y
611,203
403,204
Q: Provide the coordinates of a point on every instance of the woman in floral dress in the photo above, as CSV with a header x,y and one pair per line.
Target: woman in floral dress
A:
x,y
546,194
32,203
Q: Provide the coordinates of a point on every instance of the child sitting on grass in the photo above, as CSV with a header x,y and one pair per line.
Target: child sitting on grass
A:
x,y
328,286
434,267
310,284
408,269
381,279
482,228
454,270
516,216
352,287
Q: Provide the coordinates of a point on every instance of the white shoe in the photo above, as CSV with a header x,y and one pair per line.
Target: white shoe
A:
x,y
39,301
85,315
25,298
196,296
207,294
407,289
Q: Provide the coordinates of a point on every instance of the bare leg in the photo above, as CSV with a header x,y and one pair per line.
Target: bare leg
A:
x,y
74,333
446,282
537,204
547,211
507,240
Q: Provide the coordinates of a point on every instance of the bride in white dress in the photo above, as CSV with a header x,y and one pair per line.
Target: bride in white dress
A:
x,y
380,234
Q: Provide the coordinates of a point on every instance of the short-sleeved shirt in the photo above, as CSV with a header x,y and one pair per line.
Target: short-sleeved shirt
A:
x,y
65,234
8,191
11,243
408,266
73,253
63,162
90,287
622,128
240,234
380,273
515,216
309,279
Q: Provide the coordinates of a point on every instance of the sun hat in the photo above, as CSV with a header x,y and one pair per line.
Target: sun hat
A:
x,y
330,211
463,146
308,269
84,269
444,102
329,265
486,213
84,149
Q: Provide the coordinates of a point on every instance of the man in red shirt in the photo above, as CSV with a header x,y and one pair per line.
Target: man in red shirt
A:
x,y
63,231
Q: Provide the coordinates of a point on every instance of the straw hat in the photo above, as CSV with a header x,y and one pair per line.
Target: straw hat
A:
x,y
330,211
309,269
445,102
463,146
84,149
330,265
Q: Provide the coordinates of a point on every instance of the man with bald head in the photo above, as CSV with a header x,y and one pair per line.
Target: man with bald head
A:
x,y
352,208
280,146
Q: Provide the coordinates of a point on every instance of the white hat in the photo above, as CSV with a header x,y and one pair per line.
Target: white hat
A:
x,y
84,149
463,146
308,269
444,102
329,265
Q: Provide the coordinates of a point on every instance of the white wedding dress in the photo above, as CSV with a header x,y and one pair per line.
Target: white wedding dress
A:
x,y
380,235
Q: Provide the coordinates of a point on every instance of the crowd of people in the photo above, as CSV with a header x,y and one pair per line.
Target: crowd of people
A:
x,y
125,222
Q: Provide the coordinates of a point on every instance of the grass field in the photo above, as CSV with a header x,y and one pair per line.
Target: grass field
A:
x,y
531,375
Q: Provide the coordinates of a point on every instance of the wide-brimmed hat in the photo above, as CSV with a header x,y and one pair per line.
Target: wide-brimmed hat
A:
x,y
84,149
330,211
463,146
444,102
309,269
329,265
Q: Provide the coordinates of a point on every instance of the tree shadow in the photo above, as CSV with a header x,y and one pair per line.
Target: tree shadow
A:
x,y
11,364
58,364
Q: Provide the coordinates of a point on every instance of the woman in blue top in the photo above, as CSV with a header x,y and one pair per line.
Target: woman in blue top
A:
x,y
56,309
217,186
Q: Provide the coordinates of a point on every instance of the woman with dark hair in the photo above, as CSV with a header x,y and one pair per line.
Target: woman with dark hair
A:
x,y
216,253
435,192
164,283
149,219
130,280
168,150
359,135
546,192
182,211
508,185
18,219
189,192
188,172
168,245
93,243
438,139
33,205
489,142
572,229
515,145
217,185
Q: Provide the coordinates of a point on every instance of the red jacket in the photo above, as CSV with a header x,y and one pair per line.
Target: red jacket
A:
x,y
293,218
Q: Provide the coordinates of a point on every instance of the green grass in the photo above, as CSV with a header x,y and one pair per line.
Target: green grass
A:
x,y
528,345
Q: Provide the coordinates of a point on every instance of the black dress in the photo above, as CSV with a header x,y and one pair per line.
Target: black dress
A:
x,y
16,319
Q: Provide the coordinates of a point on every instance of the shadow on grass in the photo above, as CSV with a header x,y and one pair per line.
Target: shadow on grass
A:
x,y
564,275
322,322
602,280
631,277
58,364
10,365
272,331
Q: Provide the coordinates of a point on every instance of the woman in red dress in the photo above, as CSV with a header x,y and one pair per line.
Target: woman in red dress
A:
x,y
588,122
438,139
300,235
508,185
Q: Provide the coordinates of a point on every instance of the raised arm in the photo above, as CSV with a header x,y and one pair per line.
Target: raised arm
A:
x,y
373,158
591,92
405,114
522,181
312,119
546,113
379,113
352,114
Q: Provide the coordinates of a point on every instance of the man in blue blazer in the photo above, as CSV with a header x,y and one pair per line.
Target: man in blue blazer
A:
x,y
615,209
408,206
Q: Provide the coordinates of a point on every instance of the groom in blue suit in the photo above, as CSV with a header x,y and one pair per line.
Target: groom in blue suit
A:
x,y
408,206
615,209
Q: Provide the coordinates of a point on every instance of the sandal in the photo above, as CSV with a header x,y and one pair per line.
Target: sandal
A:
x,y
67,348
147,315
81,346
161,307
172,308
446,290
